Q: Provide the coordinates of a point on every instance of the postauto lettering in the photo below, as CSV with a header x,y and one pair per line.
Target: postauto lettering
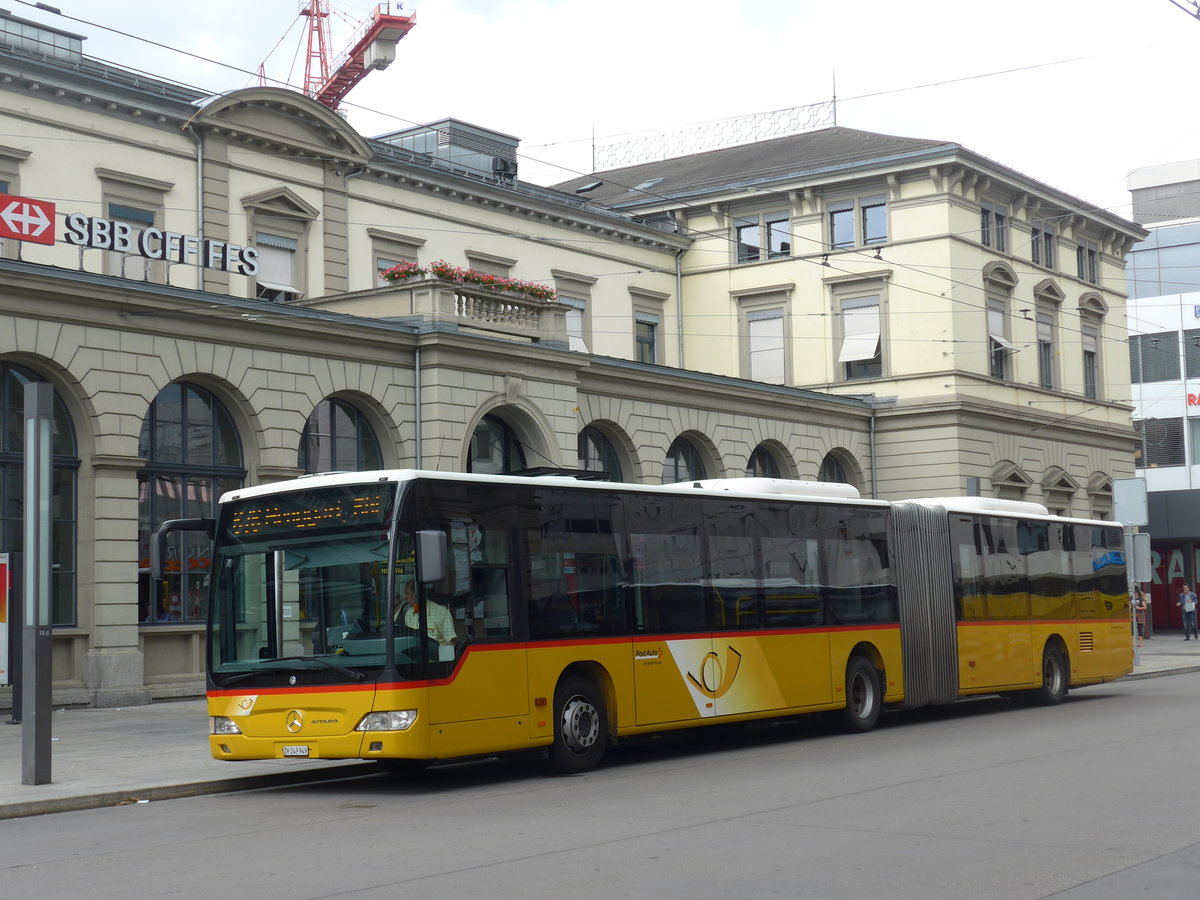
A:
x,y
153,243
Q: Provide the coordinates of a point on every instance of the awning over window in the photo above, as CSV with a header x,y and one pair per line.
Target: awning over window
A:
x,y
860,330
276,268
996,328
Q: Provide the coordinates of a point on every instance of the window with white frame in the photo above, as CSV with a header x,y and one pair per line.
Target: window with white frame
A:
x,y
575,294
857,221
766,345
1047,349
1090,334
648,306
490,263
993,226
575,313
1043,238
1000,347
278,224
645,335
277,267
133,266
390,249
762,236
1087,260
10,162
861,353
137,203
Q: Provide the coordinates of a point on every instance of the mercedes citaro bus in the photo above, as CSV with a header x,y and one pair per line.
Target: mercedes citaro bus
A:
x,y
563,615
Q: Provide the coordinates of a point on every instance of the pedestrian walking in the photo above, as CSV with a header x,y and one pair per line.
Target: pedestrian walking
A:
x,y
1187,603
1141,608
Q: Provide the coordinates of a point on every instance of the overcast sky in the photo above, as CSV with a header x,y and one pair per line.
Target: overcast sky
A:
x,y
1074,93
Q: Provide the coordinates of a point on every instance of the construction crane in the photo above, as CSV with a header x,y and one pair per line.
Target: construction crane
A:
x,y
372,47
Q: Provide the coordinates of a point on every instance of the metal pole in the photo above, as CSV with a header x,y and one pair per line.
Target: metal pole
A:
x,y
35,656
16,633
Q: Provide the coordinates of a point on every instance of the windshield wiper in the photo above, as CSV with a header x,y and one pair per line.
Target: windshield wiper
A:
x,y
242,676
348,672
345,670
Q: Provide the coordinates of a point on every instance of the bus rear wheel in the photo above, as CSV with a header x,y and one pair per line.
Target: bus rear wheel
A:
x,y
1054,678
580,727
864,696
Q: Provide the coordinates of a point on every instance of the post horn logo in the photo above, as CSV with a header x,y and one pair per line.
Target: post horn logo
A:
x,y
715,680
294,721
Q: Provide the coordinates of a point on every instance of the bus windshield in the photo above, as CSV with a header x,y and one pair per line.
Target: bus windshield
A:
x,y
301,586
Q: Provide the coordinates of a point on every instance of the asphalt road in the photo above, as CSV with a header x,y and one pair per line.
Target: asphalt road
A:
x,y
1092,799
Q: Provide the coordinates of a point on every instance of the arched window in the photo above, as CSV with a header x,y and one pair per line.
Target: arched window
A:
x,y
683,463
64,465
762,464
597,454
193,455
494,448
338,438
833,470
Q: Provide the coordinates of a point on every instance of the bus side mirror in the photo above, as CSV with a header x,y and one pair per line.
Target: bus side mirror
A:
x,y
431,556
158,543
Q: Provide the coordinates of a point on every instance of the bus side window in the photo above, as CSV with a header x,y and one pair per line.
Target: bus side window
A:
x,y
490,615
859,588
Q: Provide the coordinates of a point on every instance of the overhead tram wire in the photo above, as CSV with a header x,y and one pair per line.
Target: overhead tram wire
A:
x,y
566,169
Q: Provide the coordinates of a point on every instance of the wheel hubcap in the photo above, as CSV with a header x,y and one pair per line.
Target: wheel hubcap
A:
x,y
1053,676
861,698
580,724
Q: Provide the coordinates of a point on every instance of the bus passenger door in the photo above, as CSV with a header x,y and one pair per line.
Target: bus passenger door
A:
x,y
994,629
672,662
672,644
479,696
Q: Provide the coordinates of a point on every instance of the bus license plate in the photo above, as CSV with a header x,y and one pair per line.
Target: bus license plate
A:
x,y
295,750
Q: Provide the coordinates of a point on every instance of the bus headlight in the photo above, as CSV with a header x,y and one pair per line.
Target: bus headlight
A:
x,y
391,720
222,725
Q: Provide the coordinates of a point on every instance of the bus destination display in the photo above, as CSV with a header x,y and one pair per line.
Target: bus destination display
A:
x,y
304,512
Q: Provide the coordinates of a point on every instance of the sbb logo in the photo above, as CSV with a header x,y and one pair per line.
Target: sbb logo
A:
x,y
23,219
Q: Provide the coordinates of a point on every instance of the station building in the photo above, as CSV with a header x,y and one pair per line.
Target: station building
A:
x,y
208,301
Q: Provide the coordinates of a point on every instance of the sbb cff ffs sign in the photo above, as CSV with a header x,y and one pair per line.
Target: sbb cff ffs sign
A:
x,y
24,219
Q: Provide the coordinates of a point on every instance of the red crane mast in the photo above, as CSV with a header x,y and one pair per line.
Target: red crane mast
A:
x,y
372,47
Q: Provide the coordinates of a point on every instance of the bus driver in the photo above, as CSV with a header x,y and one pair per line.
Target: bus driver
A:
x,y
438,622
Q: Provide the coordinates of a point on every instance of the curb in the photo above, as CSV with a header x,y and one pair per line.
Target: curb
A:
x,y
1162,673
127,797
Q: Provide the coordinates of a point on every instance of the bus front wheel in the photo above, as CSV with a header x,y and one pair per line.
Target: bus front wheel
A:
x,y
864,696
580,727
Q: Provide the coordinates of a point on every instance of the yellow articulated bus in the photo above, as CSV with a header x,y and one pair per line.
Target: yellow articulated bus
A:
x,y
422,616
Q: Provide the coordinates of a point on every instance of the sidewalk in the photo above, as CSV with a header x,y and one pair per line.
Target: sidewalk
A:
x,y
109,757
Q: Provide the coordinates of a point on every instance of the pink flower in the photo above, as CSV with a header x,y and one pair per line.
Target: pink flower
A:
x,y
444,270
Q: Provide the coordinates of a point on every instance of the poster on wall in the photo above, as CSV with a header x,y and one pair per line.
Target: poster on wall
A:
x,y
5,591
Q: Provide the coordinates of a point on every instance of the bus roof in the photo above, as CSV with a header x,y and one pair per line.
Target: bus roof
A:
x,y
1017,508
775,488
